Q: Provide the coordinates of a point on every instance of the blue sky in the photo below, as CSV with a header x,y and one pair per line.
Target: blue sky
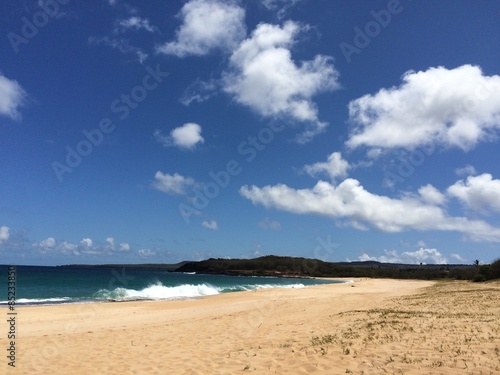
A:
x,y
135,132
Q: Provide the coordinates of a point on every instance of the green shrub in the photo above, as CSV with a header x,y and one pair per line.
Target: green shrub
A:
x,y
494,270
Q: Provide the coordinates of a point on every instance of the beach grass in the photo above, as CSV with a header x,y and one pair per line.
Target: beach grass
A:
x,y
452,325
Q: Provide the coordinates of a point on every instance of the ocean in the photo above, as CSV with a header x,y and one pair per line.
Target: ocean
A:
x,y
35,285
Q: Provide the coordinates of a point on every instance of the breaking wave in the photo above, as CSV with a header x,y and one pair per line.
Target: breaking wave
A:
x,y
159,291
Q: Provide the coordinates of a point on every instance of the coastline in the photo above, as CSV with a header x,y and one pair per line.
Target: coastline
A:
x,y
264,331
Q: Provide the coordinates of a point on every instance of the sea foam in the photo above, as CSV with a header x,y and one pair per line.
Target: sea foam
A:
x,y
158,291
36,301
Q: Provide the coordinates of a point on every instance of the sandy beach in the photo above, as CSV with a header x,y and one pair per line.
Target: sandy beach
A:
x,y
367,327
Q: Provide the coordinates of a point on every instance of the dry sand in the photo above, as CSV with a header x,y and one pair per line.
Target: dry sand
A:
x,y
368,327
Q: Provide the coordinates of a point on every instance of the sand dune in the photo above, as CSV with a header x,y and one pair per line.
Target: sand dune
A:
x,y
368,327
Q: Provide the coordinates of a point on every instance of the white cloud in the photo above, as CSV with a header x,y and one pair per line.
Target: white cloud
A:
x,y
124,246
479,193
207,25
49,243
86,242
349,201
12,97
146,253
85,247
4,234
135,23
431,195
69,248
264,77
267,223
110,243
186,136
171,184
452,107
120,44
391,256
280,6
425,256
468,170
199,91
212,224
335,167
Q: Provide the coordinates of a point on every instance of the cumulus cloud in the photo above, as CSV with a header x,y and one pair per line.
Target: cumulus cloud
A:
x,y
64,247
124,246
68,248
207,25
479,193
86,242
431,195
335,167
267,223
86,246
349,201
263,76
451,107
12,97
171,184
186,136
4,234
212,225
49,243
425,256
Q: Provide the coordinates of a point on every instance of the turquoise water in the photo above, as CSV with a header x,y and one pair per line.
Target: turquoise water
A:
x,y
52,285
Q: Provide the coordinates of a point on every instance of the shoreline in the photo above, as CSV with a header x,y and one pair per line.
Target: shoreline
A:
x,y
68,300
325,329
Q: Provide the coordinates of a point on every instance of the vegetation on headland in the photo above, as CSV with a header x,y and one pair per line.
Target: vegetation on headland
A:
x,y
272,265
285,266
